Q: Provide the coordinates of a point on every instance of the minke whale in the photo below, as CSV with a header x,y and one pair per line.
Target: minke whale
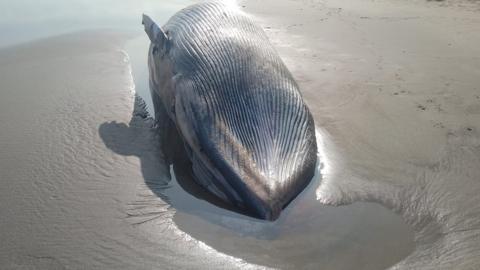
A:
x,y
247,131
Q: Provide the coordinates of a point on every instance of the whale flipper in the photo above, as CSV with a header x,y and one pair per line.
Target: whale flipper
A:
x,y
154,32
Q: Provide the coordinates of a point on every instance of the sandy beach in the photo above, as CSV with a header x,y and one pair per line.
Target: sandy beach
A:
x,y
394,88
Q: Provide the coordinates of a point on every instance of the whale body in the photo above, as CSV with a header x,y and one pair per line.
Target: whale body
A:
x,y
248,133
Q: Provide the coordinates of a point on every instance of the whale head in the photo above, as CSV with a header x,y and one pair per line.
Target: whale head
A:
x,y
248,134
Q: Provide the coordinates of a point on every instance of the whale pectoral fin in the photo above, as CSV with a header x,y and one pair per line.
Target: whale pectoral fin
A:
x,y
154,32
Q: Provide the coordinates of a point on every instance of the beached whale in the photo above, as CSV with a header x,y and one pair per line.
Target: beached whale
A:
x,y
247,131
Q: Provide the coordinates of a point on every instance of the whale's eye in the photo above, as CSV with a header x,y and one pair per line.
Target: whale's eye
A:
x,y
154,50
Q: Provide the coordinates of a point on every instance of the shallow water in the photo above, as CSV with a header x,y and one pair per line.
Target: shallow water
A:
x,y
26,20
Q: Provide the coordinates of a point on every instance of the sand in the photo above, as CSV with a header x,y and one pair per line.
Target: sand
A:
x,y
394,92
395,87
65,196
86,186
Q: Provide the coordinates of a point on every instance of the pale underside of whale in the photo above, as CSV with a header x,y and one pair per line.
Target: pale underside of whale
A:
x,y
247,131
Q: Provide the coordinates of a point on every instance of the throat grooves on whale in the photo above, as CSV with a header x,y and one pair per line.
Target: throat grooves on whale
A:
x,y
243,106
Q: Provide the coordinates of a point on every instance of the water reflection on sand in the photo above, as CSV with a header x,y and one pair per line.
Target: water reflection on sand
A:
x,y
338,236
98,193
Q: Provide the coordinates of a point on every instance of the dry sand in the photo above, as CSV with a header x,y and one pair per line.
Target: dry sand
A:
x,y
394,91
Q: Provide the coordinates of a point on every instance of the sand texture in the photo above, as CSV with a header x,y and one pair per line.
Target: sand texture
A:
x,y
394,88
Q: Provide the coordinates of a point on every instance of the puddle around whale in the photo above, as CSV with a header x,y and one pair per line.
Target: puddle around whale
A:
x,y
362,235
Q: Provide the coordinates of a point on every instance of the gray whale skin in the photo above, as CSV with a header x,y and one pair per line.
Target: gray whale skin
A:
x,y
245,127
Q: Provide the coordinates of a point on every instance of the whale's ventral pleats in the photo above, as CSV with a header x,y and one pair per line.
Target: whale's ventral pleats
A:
x,y
247,131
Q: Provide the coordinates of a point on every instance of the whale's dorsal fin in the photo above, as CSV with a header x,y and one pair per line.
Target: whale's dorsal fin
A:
x,y
154,32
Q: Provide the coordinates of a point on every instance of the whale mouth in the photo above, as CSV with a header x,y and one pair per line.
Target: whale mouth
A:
x,y
227,182
212,180
254,180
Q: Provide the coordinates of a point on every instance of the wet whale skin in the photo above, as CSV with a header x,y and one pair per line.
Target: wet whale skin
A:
x,y
248,133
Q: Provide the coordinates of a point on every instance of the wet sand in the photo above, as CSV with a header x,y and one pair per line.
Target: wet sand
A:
x,y
85,184
395,85
65,196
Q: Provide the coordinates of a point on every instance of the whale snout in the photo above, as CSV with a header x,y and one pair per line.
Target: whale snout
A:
x,y
270,211
249,135
261,189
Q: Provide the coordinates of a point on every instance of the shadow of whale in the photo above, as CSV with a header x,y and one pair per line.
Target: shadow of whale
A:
x,y
160,150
